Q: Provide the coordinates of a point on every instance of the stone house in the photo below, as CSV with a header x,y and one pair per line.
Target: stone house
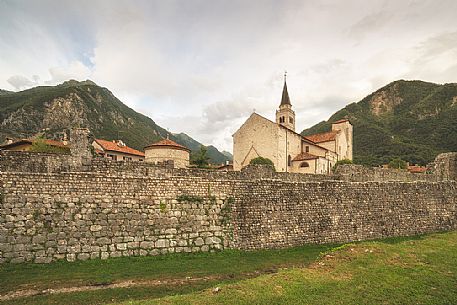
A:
x,y
290,151
116,150
166,150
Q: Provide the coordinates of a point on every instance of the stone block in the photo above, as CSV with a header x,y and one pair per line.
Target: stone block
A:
x,y
199,241
162,243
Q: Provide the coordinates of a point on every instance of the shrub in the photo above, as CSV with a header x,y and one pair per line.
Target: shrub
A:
x,y
40,145
341,162
262,161
398,164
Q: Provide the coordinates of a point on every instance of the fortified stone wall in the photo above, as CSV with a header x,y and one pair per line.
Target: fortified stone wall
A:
x,y
275,214
71,216
109,209
359,173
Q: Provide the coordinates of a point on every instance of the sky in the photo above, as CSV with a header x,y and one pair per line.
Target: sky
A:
x,y
202,67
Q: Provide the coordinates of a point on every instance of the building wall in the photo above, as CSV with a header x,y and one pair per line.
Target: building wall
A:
x,y
261,137
311,169
256,137
159,154
343,140
330,145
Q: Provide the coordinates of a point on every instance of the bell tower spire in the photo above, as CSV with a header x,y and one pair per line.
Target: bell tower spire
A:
x,y
285,116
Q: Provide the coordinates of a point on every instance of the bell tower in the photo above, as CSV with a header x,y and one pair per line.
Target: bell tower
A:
x,y
285,116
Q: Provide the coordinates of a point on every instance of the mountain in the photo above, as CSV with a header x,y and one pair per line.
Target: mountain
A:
x,y
227,154
4,92
48,110
413,120
215,155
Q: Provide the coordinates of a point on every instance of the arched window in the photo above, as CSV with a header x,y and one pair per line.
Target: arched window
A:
x,y
304,164
289,160
281,120
291,120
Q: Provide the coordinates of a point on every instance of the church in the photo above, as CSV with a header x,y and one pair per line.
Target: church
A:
x,y
290,151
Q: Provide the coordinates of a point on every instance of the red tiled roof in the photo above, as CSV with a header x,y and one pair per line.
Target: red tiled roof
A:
x,y
112,146
31,141
322,137
417,169
340,121
305,156
167,143
55,143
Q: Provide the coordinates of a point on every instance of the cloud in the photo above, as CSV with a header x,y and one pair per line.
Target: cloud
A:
x,y
21,82
369,24
74,70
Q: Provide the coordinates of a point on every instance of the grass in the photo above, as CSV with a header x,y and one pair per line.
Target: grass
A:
x,y
224,267
397,271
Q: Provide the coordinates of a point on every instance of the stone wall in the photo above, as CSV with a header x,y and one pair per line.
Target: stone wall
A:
x,y
277,214
359,173
22,161
108,209
445,166
44,217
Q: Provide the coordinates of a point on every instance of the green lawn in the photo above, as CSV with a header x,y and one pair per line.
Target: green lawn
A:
x,y
421,270
220,267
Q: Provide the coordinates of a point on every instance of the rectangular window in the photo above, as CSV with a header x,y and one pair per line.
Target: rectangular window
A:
x,y
307,148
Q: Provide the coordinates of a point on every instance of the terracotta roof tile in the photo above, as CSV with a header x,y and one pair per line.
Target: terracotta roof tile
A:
x,y
341,121
322,137
55,143
112,146
417,169
304,156
168,143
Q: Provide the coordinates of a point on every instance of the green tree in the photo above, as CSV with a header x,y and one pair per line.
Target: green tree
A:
x,y
39,145
398,163
200,159
262,161
341,162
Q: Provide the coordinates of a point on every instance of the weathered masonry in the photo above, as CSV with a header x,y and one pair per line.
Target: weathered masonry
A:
x,y
75,208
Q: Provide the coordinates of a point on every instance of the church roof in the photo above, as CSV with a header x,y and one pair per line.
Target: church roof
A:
x,y
285,100
322,137
168,144
118,147
305,156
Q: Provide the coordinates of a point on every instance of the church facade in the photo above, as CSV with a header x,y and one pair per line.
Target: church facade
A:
x,y
290,151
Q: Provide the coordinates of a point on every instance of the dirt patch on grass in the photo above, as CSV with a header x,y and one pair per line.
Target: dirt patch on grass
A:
x,y
124,284
30,292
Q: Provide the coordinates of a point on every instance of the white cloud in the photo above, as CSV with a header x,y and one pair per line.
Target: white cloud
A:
x,y
20,82
74,70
